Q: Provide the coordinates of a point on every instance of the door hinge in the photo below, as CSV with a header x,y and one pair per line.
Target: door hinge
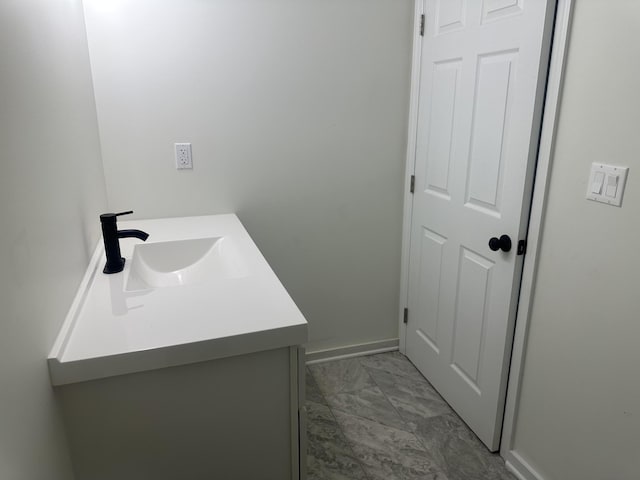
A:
x,y
522,247
405,319
412,185
422,25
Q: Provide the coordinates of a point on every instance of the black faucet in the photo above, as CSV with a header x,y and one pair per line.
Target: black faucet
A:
x,y
111,236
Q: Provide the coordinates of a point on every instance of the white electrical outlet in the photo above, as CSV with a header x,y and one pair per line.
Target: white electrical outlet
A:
x,y
183,156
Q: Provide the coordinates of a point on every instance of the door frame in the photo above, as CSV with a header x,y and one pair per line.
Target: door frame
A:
x,y
553,95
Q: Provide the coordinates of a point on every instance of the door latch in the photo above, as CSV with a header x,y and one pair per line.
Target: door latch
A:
x,y
522,247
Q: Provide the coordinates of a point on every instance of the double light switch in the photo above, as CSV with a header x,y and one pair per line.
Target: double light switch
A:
x,y
606,183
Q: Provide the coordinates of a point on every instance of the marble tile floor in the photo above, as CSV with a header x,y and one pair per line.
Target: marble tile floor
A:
x,y
377,418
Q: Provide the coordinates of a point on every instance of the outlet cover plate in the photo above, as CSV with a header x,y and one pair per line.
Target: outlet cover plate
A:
x,y
184,161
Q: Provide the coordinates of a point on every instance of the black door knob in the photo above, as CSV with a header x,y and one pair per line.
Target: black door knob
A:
x,y
503,243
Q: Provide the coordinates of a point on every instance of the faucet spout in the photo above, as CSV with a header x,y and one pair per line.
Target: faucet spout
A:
x,y
111,236
133,234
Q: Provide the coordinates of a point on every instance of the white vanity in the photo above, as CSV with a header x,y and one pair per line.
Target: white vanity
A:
x,y
187,364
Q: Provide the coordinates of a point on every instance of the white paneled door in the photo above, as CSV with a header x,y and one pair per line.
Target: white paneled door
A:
x,y
483,71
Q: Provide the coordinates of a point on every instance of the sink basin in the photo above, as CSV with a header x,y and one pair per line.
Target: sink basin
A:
x,y
183,262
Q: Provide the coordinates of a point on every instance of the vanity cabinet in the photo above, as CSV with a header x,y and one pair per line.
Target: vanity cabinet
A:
x,y
187,364
238,417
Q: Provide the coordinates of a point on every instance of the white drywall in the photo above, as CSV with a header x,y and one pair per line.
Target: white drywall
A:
x,y
51,191
579,412
296,111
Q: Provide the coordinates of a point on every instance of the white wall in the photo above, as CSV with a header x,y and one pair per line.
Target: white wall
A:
x,y
579,415
51,190
297,113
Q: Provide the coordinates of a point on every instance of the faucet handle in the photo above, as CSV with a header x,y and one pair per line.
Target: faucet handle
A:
x,y
111,217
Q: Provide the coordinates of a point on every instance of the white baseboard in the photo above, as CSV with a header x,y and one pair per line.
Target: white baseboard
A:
x,y
520,467
350,351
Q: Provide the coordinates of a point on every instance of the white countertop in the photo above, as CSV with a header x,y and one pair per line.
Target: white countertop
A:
x,y
110,331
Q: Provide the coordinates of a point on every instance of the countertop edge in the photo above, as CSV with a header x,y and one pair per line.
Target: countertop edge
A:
x,y
64,373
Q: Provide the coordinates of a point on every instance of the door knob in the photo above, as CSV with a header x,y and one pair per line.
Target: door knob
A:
x,y
503,243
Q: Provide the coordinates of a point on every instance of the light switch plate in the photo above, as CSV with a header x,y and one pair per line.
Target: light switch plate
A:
x,y
606,183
